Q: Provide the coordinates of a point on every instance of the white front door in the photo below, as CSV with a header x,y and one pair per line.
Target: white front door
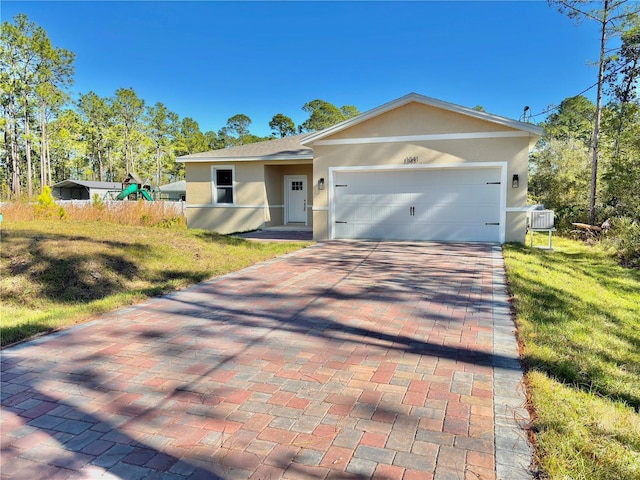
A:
x,y
295,188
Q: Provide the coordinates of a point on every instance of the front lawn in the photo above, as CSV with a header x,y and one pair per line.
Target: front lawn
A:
x,y
57,273
578,315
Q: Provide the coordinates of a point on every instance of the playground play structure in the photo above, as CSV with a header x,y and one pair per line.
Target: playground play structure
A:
x,y
133,189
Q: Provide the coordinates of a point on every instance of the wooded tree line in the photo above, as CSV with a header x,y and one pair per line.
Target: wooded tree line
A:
x,y
586,167
48,137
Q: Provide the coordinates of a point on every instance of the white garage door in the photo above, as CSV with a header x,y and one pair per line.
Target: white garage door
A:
x,y
450,204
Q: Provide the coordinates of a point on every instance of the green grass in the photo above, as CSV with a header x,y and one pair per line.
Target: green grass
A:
x,y
55,274
578,316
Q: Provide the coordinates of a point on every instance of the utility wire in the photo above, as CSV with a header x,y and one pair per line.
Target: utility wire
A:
x,y
556,107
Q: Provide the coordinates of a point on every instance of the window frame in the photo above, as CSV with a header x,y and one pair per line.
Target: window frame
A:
x,y
215,186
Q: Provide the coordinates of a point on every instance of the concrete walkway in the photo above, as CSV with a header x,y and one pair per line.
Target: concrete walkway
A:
x,y
347,360
278,235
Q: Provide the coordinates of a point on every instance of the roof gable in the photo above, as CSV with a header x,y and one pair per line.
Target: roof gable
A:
x,y
501,122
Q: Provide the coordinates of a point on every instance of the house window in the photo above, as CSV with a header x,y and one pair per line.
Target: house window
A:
x,y
223,185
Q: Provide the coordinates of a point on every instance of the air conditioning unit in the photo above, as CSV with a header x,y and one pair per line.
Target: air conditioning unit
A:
x,y
540,219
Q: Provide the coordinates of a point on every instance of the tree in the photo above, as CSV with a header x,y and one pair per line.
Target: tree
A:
x,y
128,110
19,63
623,72
559,166
12,47
236,131
51,102
189,138
211,141
162,128
34,75
54,74
323,114
609,17
349,111
67,145
621,127
573,121
97,115
282,125
559,179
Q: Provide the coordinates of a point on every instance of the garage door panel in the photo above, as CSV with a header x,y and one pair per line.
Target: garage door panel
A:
x,y
450,214
458,176
374,199
455,176
389,231
467,194
371,213
429,204
457,233
343,230
391,187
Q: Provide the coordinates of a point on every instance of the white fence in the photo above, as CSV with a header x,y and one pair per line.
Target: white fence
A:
x,y
168,207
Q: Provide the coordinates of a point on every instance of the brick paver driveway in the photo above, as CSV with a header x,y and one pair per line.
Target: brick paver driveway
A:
x,y
344,360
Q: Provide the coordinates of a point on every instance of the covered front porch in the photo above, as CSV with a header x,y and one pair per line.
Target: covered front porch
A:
x,y
289,197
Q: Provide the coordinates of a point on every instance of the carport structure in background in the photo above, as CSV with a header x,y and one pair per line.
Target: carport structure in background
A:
x,y
345,360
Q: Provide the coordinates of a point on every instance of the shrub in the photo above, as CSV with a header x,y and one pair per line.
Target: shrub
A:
x,y
97,202
624,240
45,199
46,205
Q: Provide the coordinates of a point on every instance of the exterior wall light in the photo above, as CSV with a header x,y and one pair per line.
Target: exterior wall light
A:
x,y
515,181
321,184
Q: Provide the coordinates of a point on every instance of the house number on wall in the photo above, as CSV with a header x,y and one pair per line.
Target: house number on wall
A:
x,y
410,160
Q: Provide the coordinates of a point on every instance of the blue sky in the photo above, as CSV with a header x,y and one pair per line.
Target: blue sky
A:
x,y
211,60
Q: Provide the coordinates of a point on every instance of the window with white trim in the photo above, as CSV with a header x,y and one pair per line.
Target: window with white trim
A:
x,y
222,183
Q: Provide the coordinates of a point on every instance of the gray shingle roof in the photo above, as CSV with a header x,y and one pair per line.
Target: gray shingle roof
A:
x,y
279,148
89,184
179,186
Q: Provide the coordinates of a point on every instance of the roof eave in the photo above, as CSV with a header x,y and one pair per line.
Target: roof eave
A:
x,y
83,183
201,159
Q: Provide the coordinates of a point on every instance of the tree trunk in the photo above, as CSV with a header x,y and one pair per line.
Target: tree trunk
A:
x,y
100,166
12,159
43,147
158,166
11,141
596,123
48,153
27,151
15,159
127,158
109,165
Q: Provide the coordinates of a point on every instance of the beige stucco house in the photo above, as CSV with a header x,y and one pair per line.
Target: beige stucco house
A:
x,y
415,168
